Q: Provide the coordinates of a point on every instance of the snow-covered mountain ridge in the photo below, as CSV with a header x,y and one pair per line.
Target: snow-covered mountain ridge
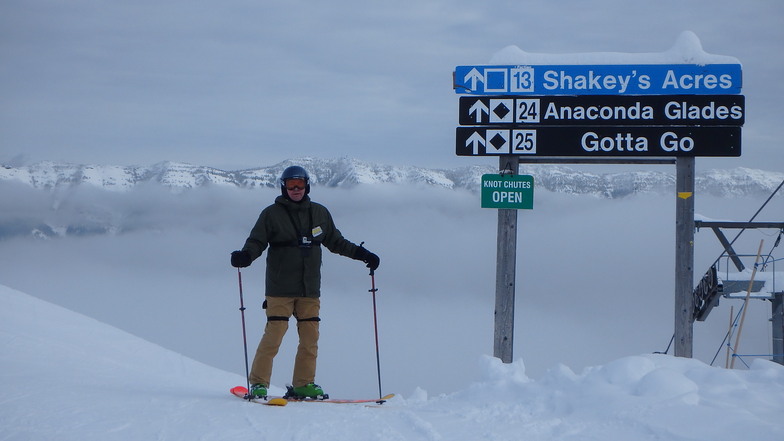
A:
x,y
347,172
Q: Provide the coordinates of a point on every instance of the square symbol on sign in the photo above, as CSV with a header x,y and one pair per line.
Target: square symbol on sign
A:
x,y
495,79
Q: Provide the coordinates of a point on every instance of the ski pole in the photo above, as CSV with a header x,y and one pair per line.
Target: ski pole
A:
x,y
244,336
375,327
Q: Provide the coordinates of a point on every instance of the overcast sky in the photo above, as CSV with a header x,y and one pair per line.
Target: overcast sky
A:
x,y
240,83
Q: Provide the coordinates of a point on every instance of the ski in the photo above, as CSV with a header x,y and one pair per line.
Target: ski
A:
x,y
381,400
242,391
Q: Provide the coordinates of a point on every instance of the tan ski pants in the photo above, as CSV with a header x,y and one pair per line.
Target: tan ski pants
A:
x,y
279,309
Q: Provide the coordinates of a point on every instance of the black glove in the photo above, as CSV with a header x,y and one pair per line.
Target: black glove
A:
x,y
240,259
366,256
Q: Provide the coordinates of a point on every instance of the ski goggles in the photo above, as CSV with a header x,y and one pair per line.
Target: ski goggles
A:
x,y
295,184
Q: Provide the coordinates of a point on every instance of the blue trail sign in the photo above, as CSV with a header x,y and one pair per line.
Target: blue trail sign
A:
x,y
604,79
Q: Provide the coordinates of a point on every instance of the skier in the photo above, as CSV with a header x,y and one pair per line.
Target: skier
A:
x,y
293,228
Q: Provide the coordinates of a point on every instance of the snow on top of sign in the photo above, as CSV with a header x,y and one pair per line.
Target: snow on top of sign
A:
x,y
686,50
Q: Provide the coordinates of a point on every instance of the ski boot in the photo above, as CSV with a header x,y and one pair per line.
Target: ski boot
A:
x,y
258,391
307,392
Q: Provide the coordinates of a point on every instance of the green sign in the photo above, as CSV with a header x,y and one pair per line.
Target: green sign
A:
x,y
508,191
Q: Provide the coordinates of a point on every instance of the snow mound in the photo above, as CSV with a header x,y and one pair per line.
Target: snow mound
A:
x,y
686,50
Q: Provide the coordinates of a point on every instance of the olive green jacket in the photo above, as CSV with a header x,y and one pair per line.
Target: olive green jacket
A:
x,y
294,270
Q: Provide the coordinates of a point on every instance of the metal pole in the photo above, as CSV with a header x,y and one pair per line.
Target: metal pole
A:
x,y
375,327
505,273
777,319
684,256
244,335
729,333
745,306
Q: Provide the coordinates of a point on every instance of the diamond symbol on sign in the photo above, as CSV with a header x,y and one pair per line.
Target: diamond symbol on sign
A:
x,y
498,141
501,110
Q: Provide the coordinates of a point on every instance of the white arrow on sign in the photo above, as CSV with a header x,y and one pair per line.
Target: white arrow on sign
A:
x,y
474,141
474,76
478,109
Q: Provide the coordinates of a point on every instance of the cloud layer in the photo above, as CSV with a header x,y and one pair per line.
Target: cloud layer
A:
x,y
595,278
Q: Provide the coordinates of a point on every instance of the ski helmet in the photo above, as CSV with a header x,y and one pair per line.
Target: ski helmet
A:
x,y
294,172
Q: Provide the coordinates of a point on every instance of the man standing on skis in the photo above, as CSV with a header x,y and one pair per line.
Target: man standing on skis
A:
x,y
293,229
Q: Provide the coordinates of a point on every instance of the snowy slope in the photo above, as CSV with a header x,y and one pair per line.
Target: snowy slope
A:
x,y
69,377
